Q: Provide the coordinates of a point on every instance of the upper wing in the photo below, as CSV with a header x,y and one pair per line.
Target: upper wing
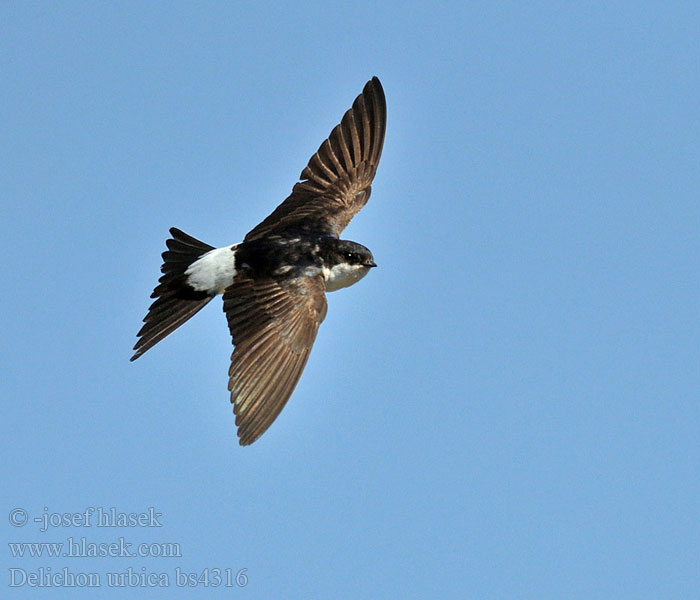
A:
x,y
336,183
273,325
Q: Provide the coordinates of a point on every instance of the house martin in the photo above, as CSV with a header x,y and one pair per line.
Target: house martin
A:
x,y
274,282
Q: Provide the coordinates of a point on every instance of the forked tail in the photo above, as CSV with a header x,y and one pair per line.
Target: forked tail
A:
x,y
176,301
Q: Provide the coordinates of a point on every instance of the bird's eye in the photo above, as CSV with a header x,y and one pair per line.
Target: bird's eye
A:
x,y
349,255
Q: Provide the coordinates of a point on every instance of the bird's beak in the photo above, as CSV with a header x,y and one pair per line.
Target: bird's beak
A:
x,y
371,264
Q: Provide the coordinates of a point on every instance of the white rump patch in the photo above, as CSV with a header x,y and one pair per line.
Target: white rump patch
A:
x,y
343,275
213,272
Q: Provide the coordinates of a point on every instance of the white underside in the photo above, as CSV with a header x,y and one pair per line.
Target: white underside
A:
x,y
213,272
343,275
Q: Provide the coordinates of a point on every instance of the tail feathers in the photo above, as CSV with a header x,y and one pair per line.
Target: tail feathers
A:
x,y
176,302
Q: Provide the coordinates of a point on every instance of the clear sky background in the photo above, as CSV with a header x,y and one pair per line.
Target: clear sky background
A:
x,y
508,407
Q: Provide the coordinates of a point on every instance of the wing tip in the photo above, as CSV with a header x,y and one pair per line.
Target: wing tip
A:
x,y
375,86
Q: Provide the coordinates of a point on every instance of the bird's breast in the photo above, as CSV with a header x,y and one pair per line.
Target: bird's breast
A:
x,y
343,275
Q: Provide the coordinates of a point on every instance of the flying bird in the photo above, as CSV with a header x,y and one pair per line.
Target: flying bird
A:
x,y
274,282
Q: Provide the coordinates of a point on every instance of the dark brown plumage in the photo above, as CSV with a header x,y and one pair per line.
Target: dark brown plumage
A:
x,y
175,303
337,182
273,324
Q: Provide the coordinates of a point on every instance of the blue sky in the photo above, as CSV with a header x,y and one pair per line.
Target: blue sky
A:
x,y
506,408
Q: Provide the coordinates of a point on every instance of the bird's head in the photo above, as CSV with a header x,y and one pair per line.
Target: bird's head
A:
x,y
346,263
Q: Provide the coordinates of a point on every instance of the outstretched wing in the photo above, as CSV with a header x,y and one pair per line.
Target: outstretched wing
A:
x,y
336,183
273,325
